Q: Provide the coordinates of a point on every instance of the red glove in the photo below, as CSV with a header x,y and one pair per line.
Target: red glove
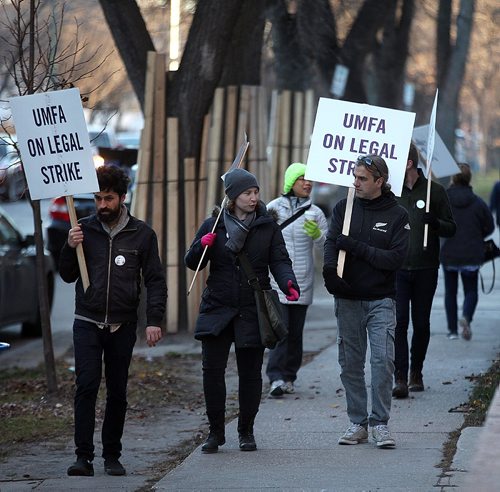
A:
x,y
293,295
208,239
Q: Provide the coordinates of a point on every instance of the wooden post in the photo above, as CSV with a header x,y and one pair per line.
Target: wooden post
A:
x,y
297,143
172,191
309,112
79,249
345,230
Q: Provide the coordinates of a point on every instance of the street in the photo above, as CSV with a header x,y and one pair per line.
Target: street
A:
x,y
29,352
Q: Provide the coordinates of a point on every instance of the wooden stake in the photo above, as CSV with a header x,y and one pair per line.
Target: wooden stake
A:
x,y
345,230
84,275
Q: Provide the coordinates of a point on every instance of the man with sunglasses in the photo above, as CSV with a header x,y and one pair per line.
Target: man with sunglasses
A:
x,y
416,282
364,297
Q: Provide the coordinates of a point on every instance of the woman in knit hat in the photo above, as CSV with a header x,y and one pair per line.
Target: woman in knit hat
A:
x,y
228,312
304,228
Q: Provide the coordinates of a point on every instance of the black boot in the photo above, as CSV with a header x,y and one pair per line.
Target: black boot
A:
x,y
214,440
245,433
217,436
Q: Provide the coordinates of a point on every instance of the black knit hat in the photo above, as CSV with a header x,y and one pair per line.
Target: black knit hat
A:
x,y
237,181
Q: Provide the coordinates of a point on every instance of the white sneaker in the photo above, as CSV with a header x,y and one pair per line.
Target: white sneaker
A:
x,y
277,388
288,388
355,434
382,436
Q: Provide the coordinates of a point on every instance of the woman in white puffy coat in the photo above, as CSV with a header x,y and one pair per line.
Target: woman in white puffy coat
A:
x,y
306,232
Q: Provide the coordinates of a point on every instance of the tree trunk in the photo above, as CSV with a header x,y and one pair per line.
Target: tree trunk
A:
x,y
132,40
443,44
390,57
191,91
242,63
447,114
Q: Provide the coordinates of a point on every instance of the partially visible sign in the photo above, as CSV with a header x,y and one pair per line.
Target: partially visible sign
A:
x,y
344,130
443,164
54,144
339,80
432,133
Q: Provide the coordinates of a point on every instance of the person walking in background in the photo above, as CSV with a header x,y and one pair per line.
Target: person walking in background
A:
x,y
364,296
416,281
119,249
464,253
304,227
495,202
228,312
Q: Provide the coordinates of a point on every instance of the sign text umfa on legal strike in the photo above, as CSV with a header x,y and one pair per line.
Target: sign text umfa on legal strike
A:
x,y
55,144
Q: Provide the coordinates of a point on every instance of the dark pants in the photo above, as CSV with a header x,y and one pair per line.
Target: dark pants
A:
x,y
469,282
414,290
286,358
215,353
91,344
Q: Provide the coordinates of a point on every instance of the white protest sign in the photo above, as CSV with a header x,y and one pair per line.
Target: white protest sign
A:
x,y
432,133
344,130
443,163
54,144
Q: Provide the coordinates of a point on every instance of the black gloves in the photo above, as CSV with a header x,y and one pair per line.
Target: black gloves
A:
x,y
334,284
350,245
432,220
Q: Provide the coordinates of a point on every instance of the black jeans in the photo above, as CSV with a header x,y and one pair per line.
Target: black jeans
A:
x,y
215,353
415,288
286,358
90,344
469,282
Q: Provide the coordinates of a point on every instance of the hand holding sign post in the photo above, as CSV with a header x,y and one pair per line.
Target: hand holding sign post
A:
x,y
343,131
55,150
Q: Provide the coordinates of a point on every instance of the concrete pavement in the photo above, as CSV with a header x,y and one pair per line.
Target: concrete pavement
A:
x,y
297,435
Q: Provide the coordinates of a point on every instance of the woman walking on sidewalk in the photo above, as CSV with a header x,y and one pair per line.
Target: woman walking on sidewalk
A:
x,y
464,254
304,228
228,312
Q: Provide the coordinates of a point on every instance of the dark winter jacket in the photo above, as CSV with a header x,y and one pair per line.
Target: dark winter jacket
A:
x,y
381,225
419,258
474,223
115,266
228,296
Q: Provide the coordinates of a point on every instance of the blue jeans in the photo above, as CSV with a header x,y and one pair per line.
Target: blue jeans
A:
x,y
356,319
469,282
90,345
286,358
415,288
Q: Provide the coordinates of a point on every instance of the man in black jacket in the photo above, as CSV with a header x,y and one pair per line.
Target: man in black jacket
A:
x,y
416,282
119,249
364,296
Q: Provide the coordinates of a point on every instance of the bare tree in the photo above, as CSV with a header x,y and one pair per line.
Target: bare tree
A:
x,y
451,63
38,63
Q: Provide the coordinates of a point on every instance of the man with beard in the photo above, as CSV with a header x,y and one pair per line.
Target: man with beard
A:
x,y
119,250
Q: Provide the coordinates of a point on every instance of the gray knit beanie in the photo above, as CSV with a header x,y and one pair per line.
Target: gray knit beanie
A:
x,y
237,181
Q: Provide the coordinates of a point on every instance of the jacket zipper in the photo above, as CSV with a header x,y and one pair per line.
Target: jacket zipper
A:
x,y
109,277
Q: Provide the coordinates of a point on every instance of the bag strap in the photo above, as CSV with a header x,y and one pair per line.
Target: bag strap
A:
x,y
249,272
492,282
294,217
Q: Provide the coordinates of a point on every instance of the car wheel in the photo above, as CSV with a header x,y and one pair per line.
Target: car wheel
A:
x,y
32,330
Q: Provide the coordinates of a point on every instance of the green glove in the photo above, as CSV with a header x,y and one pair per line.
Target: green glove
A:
x,y
312,229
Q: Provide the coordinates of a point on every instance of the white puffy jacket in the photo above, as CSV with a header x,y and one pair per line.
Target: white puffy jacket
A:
x,y
299,244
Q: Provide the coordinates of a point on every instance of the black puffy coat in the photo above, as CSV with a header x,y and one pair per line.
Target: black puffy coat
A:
x,y
474,223
228,296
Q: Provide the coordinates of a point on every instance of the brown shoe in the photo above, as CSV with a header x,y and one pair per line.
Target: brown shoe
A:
x,y
416,382
400,390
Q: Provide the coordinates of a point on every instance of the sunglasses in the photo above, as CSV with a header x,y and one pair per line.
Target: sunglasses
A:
x,y
368,161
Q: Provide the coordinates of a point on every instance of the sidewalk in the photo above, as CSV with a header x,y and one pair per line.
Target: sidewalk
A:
x,y
297,435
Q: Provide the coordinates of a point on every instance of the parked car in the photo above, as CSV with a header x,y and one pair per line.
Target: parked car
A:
x,y
326,195
18,282
12,181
